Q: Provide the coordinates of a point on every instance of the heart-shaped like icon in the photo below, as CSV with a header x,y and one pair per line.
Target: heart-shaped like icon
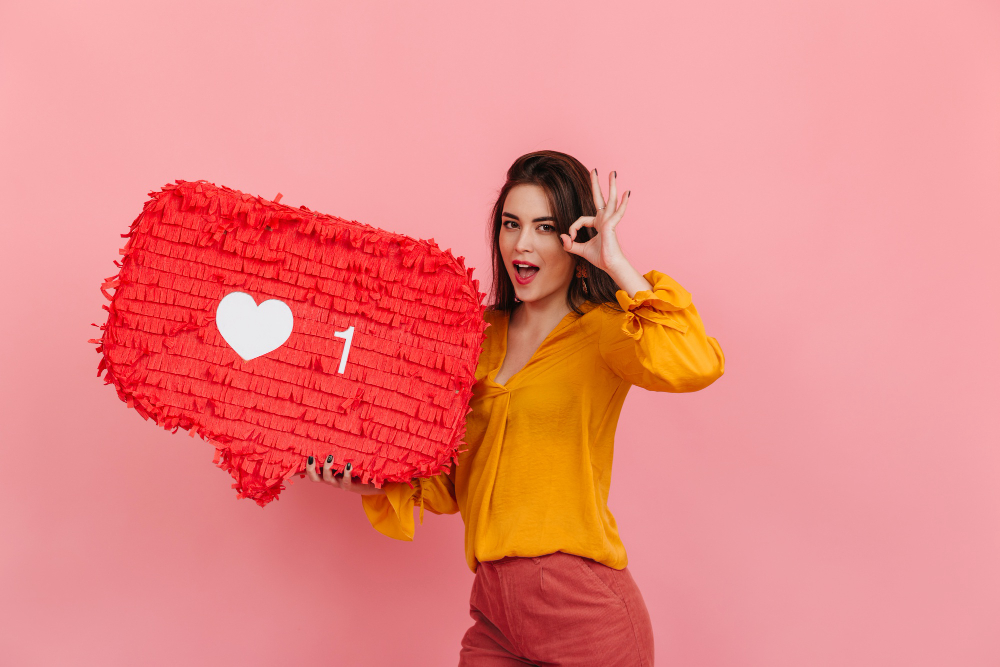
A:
x,y
252,330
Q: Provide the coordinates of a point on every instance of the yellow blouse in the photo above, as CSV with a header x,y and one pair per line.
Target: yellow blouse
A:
x,y
536,474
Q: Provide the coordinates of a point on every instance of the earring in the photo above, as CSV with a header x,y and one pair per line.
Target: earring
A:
x,y
581,273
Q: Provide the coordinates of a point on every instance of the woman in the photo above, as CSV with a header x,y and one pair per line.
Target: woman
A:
x,y
573,326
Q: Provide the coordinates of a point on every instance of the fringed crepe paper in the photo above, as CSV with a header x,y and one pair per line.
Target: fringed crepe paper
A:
x,y
377,370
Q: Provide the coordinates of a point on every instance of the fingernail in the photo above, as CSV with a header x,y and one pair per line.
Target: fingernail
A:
x,y
348,467
311,460
615,174
329,459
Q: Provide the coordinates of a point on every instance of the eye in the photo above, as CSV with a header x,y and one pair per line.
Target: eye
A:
x,y
547,228
509,222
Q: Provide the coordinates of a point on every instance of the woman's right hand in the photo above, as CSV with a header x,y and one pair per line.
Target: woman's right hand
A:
x,y
343,481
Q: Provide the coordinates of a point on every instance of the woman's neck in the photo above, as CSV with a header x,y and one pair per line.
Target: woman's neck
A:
x,y
542,314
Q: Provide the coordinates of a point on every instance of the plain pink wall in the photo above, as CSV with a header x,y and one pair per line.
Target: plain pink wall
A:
x,y
823,176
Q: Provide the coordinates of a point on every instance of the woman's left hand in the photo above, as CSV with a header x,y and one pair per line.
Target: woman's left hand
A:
x,y
602,250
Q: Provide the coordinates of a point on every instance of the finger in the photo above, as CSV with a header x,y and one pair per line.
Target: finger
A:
x,y
620,213
612,192
328,471
574,247
617,217
311,469
345,481
582,221
598,195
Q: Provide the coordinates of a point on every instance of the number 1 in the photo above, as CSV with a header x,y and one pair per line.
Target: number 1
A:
x,y
348,336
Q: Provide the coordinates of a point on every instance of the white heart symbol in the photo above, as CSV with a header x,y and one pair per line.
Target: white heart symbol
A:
x,y
250,329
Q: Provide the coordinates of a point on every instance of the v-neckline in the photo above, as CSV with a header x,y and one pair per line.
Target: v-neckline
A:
x,y
503,352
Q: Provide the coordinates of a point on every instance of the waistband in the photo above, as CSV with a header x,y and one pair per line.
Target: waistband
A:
x,y
508,559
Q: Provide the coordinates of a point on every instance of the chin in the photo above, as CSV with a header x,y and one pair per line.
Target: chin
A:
x,y
530,295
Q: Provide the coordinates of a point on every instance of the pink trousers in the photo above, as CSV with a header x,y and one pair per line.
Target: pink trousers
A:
x,y
557,609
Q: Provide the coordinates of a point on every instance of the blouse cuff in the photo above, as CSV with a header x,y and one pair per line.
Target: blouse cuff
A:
x,y
392,514
654,306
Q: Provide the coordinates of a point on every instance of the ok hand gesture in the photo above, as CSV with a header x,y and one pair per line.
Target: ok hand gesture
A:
x,y
602,250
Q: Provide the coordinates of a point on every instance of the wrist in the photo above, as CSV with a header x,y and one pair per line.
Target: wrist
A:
x,y
618,268
621,271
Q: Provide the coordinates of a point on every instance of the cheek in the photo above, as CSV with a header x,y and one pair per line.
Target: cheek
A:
x,y
506,243
557,260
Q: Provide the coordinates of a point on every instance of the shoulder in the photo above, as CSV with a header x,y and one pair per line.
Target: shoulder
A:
x,y
598,318
600,312
495,319
491,315
610,327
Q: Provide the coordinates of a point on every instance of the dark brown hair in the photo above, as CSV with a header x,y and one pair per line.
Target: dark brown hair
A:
x,y
567,185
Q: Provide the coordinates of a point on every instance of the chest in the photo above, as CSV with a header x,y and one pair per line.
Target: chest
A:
x,y
528,363
543,391
521,346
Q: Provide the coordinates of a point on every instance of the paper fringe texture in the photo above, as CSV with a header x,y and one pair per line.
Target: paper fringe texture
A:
x,y
398,410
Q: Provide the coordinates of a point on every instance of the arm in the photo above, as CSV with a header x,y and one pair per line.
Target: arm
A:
x,y
390,508
391,513
659,342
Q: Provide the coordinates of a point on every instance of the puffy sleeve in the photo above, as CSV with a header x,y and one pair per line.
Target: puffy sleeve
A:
x,y
392,514
659,342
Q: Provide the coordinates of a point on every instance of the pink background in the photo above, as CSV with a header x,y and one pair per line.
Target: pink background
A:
x,y
823,176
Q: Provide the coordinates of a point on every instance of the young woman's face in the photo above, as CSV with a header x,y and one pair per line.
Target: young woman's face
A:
x,y
529,239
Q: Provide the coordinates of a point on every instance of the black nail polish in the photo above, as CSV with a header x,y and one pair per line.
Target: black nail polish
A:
x,y
329,459
615,174
311,460
348,469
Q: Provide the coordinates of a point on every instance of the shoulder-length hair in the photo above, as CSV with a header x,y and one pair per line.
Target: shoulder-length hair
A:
x,y
566,183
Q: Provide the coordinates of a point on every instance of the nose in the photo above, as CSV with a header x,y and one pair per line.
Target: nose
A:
x,y
523,240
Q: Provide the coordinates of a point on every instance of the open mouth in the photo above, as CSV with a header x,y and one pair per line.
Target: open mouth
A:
x,y
525,272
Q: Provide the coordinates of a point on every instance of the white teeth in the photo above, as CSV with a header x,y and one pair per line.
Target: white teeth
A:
x,y
524,270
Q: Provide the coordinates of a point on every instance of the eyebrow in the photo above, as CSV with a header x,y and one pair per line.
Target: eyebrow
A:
x,y
511,215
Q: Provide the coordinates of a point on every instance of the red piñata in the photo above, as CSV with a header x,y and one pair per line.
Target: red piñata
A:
x,y
376,365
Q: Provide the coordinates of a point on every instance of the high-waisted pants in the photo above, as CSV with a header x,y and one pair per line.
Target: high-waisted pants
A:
x,y
557,609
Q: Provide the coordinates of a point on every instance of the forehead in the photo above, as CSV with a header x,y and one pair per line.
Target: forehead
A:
x,y
527,200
